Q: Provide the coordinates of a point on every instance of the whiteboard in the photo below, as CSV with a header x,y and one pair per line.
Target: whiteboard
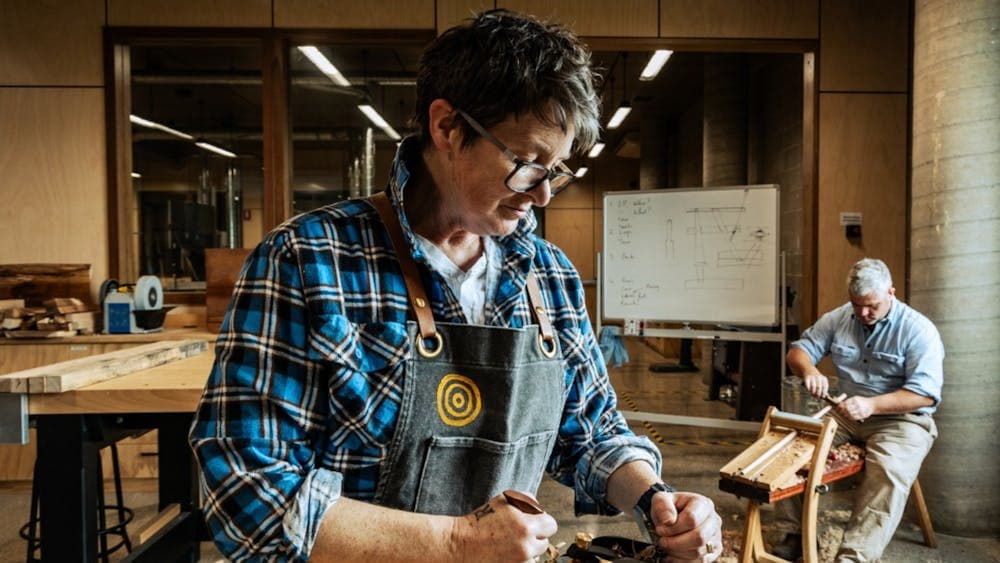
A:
x,y
707,255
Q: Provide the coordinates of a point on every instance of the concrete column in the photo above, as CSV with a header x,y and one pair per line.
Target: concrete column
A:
x,y
955,250
724,143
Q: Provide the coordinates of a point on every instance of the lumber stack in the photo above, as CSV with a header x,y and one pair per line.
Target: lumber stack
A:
x,y
58,316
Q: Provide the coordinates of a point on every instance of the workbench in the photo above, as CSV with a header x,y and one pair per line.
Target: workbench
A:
x,y
73,425
137,456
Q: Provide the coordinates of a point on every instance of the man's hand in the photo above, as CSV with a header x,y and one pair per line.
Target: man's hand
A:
x,y
817,384
857,408
689,527
497,531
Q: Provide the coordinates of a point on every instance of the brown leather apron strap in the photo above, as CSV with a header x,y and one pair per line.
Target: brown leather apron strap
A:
x,y
548,340
411,277
415,288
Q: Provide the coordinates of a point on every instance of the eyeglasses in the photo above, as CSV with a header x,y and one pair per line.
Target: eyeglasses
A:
x,y
526,175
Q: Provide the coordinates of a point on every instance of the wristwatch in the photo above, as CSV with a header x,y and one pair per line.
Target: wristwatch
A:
x,y
641,511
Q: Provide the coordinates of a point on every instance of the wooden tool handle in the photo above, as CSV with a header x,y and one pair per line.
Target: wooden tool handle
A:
x,y
796,421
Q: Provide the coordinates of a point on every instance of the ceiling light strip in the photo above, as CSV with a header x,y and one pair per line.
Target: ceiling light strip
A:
x,y
379,122
655,64
619,116
323,64
217,150
159,126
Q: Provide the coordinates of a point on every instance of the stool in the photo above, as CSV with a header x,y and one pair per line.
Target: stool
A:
x,y
30,532
818,475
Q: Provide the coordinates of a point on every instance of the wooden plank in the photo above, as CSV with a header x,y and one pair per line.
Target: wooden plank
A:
x,y
37,283
158,521
753,452
172,387
74,374
781,471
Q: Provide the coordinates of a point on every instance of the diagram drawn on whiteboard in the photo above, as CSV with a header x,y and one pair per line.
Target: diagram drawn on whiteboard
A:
x,y
724,246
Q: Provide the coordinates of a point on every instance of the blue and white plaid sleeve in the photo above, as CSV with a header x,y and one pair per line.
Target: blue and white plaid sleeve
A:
x,y
594,439
254,430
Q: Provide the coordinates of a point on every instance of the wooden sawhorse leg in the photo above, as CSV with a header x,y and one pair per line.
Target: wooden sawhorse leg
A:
x,y
917,495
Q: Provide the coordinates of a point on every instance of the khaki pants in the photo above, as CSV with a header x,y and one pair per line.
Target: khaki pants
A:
x,y
896,446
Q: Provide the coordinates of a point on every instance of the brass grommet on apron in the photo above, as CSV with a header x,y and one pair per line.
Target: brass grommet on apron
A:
x,y
552,342
437,350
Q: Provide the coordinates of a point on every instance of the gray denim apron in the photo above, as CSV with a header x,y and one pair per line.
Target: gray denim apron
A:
x,y
481,405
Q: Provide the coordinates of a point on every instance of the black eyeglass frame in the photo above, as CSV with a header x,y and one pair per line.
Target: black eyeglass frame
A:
x,y
561,170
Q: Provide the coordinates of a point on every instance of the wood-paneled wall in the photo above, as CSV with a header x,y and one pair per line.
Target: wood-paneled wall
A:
x,y
51,43
758,19
863,141
350,14
189,13
52,181
862,168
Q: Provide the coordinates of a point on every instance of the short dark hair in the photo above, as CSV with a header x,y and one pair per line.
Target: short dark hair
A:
x,y
500,63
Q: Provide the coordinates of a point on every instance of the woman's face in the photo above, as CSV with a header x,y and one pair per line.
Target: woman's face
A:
x,y
476,193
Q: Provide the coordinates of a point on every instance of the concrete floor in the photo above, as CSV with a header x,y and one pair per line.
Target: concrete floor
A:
x,y
692,458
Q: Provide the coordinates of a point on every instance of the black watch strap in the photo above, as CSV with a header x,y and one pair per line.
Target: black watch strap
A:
x,y
641,511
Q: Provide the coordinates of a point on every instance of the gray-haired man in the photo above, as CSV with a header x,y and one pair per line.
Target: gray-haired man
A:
x,y
888,359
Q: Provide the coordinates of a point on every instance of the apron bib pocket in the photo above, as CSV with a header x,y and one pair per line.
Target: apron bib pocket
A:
x,y
518,465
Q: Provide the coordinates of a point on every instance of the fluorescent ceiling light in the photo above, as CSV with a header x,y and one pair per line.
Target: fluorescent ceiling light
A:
x,y
595,151
136,175
382,124
581,172
620,114
217,150
654,65
324,65
154,125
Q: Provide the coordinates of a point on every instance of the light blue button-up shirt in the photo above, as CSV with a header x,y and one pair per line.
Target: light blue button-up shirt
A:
x,y
903,351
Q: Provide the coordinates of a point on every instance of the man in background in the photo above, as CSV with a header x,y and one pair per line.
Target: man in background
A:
x,y
889,361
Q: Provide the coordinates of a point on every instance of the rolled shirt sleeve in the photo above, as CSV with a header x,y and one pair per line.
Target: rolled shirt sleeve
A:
x,y
255,430
925,362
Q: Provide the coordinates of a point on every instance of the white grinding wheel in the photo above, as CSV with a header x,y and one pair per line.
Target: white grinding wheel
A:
x,y
148,293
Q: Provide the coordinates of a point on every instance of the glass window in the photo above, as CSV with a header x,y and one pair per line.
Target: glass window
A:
x,y
196,120
350,105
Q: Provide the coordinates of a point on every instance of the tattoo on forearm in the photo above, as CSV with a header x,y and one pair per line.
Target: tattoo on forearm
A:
x,y
483,511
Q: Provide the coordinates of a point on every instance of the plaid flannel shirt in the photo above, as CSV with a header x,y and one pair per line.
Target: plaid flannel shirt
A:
x,y
303,398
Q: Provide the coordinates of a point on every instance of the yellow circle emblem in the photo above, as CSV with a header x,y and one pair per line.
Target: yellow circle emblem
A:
x,y
458,400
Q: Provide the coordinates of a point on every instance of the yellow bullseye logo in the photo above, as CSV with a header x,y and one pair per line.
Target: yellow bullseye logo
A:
x,y
458,400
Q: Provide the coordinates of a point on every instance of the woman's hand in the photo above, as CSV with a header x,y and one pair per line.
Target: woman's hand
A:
x,y
498,531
